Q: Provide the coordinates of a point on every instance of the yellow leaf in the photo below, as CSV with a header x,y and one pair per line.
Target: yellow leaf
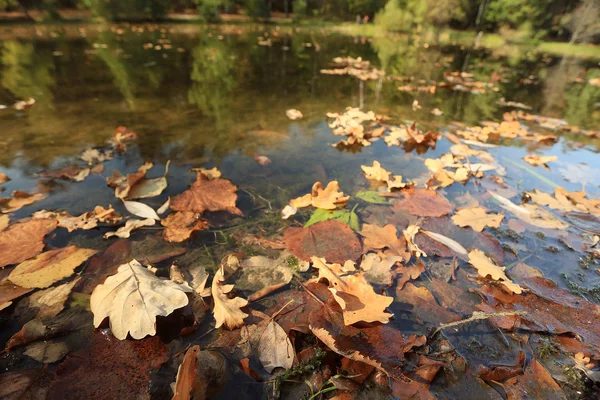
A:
x,y
409,235
477,218
226,311
377,238
485,267
537,160
376,173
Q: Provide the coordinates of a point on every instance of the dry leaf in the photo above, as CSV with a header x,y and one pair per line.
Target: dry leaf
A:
x,y
23,240
446,241
85,221
226,311
424,203
72,172
537,160
535,383
186,375
47,351
146,188
275,349
49,267
354,294
378,267
485,267
4,221
477,218
133,298
4,178
262,160
48,303
18,200
530,213
293,114
94,156
180,225
209,174
377,238
125,231
409,234
288,211
376,173
140,210
207,195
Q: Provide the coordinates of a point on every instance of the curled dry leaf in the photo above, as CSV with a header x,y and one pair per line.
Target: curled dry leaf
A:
x,y
94,156
19,200
446,241
535,383
146,188
226,311
262,159
85,221
409,234
293,114
377,238
180,225
354,294
47,351
133,298
424,203
72,172
486,267
186,375
46,304
477,218
376,172
288,211
332,240
327,199
23,240
275,349
537,160
141,210
9,291
49,267
125,231
123,184
207,195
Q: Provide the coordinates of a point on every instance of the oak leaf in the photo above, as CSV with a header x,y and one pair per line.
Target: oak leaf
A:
x,y
354,294
49,267
207,195
477,218
226,311
377,238
125,231
485,267
180,225
18,200
123,184
539,160
409,234
23,240
186,375
133,298
376,172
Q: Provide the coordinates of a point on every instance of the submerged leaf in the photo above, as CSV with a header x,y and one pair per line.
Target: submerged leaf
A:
x,y
485,267
207,195
477,218
371,196
348,217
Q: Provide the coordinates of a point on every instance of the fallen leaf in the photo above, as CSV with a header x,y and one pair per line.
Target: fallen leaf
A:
x,y
437,112
207,195
293,114
186,375
262,160
23,240
348,217
332,240
226,311
535,383
531,214
424,203
47,351
18,200
418,301
29,384
288,211
378,269
133,298
94,156
485,267
408,273
49,267
4,178
477,218
180,225
209,174
275,349
446,241
377,238
327,199
86,221
409,234
125,231
355,295
146,188
376,173
4,222
72,172
416,385
46,304
123,184
140,210
537,160
125,369
9,292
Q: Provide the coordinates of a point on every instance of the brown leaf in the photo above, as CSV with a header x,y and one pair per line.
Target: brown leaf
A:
x,y
417,386
72,172
46,304
536,383
180,225
123,184
23,240
274,348
331,240
501,372
420,302
539,160
477,218
207,195
4,178
85,221
9,291
186,375
327,199
377,238
109,369
18,200
30,384
409,273
424,203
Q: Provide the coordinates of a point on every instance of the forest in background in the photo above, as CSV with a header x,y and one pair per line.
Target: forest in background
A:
x,y
575,21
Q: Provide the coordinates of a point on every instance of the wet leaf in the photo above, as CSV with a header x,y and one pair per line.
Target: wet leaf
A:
x,y
376,172
485,267
180,225
4,221
293,114
348,217
85,221
141,210
125,231
371,196
4,178
327,199
261,273
72,172
133,298
379,269
531,214
419,301
377,238
48,303
47,351
262,160
23,240
49,267
332,240
125,369
446,241
9,291
354,294
19,200
30,384
123,184
535,383
227,311
537,160
417,386
275,349
424,203
477,218
147,188
186,375
207,195
94,156
409,234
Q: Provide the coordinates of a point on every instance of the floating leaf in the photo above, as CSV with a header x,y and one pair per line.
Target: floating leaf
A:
x,y
141,210
71,172
424,203
146,188
23,240
347,217
18,200
133,298
485,267
446,241
293,114
371,196
207,195
477,218
327,199
125,231
377,238
180,225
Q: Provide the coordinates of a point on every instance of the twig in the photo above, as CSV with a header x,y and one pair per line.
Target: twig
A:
x,y
314,296
478,315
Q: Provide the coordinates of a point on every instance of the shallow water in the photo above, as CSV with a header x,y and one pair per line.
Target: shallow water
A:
x,y
214,96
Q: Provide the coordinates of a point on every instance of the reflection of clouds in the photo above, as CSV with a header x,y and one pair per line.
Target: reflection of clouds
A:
x,y
579,173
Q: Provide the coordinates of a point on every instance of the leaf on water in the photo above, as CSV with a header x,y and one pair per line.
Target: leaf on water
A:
x,y
4,221
49,267
477,218
163,209
419,301
371,196
123,184
146,188
46,304
327,199
27,384
180,225
378,267
409,273
293,114
485,267
47,351
125,231
4,178
207,195
94,156
226,311
9,291
566,201
23,240
409,234
354,294
332,240
446,241
535,383
537,160
376,172
19,200
86,221
424,203
260,273
133,298
531,213
377,238
275,349
186,375
140,210
288,211
209,174
72,172
346,216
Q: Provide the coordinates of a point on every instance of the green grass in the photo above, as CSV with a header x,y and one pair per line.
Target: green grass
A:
x,y
568,49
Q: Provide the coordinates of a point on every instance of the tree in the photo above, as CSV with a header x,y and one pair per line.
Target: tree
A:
x,y
585,21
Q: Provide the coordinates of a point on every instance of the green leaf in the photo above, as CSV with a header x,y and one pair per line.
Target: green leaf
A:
x,y
347,217
371,196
